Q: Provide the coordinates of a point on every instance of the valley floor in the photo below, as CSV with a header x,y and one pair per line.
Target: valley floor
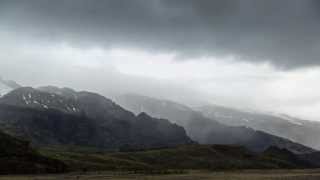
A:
x,y
192,175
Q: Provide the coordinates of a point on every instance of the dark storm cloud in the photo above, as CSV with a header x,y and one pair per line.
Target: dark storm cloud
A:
x,y
284,32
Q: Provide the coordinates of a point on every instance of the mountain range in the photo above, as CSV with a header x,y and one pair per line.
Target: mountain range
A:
x,y
52,116
137,126
207,130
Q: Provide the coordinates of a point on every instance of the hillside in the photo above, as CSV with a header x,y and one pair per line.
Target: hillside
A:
x,y
210,157
16,157
206,130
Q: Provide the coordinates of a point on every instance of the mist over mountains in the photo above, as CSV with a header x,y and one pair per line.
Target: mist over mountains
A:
x,y
7,86
297,130
62,118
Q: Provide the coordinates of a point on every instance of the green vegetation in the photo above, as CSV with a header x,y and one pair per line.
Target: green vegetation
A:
x,y
209,157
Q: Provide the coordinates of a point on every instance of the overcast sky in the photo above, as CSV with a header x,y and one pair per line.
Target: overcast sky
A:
x,y
255,54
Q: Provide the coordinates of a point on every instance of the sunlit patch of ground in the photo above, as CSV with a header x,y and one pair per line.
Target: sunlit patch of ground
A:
x,y
192,175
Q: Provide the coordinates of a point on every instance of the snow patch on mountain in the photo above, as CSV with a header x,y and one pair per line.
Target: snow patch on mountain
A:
x,y
38,99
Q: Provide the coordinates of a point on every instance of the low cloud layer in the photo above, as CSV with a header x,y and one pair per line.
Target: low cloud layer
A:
x,y
195,82
259,54
284,33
